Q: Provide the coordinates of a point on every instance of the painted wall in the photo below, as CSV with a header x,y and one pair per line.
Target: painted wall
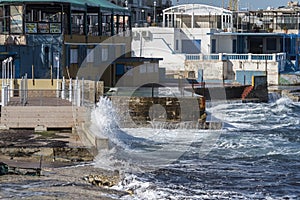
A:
x,y
234,71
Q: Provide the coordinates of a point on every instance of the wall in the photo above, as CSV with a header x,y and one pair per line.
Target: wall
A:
x,y
214,70
135,111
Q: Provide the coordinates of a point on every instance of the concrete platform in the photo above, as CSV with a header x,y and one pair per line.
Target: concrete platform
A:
x,y
41,113
40,101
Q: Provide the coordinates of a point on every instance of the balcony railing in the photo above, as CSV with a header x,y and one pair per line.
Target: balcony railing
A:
x,y
223,57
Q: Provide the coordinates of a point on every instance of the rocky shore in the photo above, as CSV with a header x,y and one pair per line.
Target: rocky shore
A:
x,y
63,164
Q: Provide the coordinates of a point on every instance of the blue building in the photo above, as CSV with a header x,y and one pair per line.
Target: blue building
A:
x,y
44,35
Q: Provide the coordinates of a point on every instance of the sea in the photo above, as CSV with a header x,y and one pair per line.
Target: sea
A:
x,y
255,155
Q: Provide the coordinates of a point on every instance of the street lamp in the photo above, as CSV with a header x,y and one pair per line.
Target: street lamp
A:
x,y
154,12
57,74
143,16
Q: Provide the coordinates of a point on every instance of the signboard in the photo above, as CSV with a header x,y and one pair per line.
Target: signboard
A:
x,y
31,27
43,28
55,27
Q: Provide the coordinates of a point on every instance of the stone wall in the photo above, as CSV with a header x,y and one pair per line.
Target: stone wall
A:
x,y
134,111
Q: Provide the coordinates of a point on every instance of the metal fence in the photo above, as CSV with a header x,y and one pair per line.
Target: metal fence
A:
x,y
68,92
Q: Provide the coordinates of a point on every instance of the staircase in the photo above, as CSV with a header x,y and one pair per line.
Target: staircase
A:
x,y
247,91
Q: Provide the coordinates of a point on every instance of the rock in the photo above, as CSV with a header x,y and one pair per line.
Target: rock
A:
x,y
102,180
3,168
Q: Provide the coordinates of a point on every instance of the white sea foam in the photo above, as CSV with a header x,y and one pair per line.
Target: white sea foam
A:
x,y
138,148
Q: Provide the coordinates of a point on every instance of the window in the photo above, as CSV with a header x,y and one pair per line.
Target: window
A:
x,y
104,53
177,45
271,44
74,56
191,46
233,46
43,19
213,46
90,55
143,69
16,19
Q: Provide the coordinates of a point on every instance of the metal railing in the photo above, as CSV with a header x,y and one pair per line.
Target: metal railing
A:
x,y
69,92
225,56
24,90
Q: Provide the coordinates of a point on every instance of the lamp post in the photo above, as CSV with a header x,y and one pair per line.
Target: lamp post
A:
x,y
57,74
154,12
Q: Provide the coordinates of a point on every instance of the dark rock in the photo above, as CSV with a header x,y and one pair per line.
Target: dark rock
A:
x,y
3,168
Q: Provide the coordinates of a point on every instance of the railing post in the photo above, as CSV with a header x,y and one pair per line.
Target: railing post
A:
x,y
77,88
57,88
75,92
63,87
220,56
82,91
6,94
274,57
70,90
3,95
201,57
249,56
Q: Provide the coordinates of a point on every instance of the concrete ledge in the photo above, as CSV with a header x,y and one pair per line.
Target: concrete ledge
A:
x,y
90,140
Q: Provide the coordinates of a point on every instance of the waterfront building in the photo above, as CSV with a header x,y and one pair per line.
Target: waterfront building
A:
x,y
213,44
145,12
51,39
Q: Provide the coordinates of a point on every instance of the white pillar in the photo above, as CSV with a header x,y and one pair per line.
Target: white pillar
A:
x,y
57,76
164,18
82,91
11,78
77,92
63,87
3,95
78,95
70,90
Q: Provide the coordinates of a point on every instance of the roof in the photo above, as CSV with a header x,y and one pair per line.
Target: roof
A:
x,y
104,4
197,9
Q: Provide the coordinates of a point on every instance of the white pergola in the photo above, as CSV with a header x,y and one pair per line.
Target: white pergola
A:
x,y
196,15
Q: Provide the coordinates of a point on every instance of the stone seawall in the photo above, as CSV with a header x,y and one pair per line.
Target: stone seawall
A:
x,y
135,111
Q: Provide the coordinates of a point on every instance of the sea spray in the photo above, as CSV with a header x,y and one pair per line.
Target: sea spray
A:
x,y
104,117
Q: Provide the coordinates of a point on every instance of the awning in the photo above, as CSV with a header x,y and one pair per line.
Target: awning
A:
x,y
103,4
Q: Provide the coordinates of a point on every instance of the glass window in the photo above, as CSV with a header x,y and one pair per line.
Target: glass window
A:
x,y
74,56
104,53
90,55
16,19
271,44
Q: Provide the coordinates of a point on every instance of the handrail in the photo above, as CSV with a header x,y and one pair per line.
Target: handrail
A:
x,y
230,56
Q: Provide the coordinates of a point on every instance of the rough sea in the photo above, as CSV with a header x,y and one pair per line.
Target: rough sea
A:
x,y
256,154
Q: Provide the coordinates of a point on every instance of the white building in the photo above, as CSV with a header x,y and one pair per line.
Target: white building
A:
x,y
201,41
